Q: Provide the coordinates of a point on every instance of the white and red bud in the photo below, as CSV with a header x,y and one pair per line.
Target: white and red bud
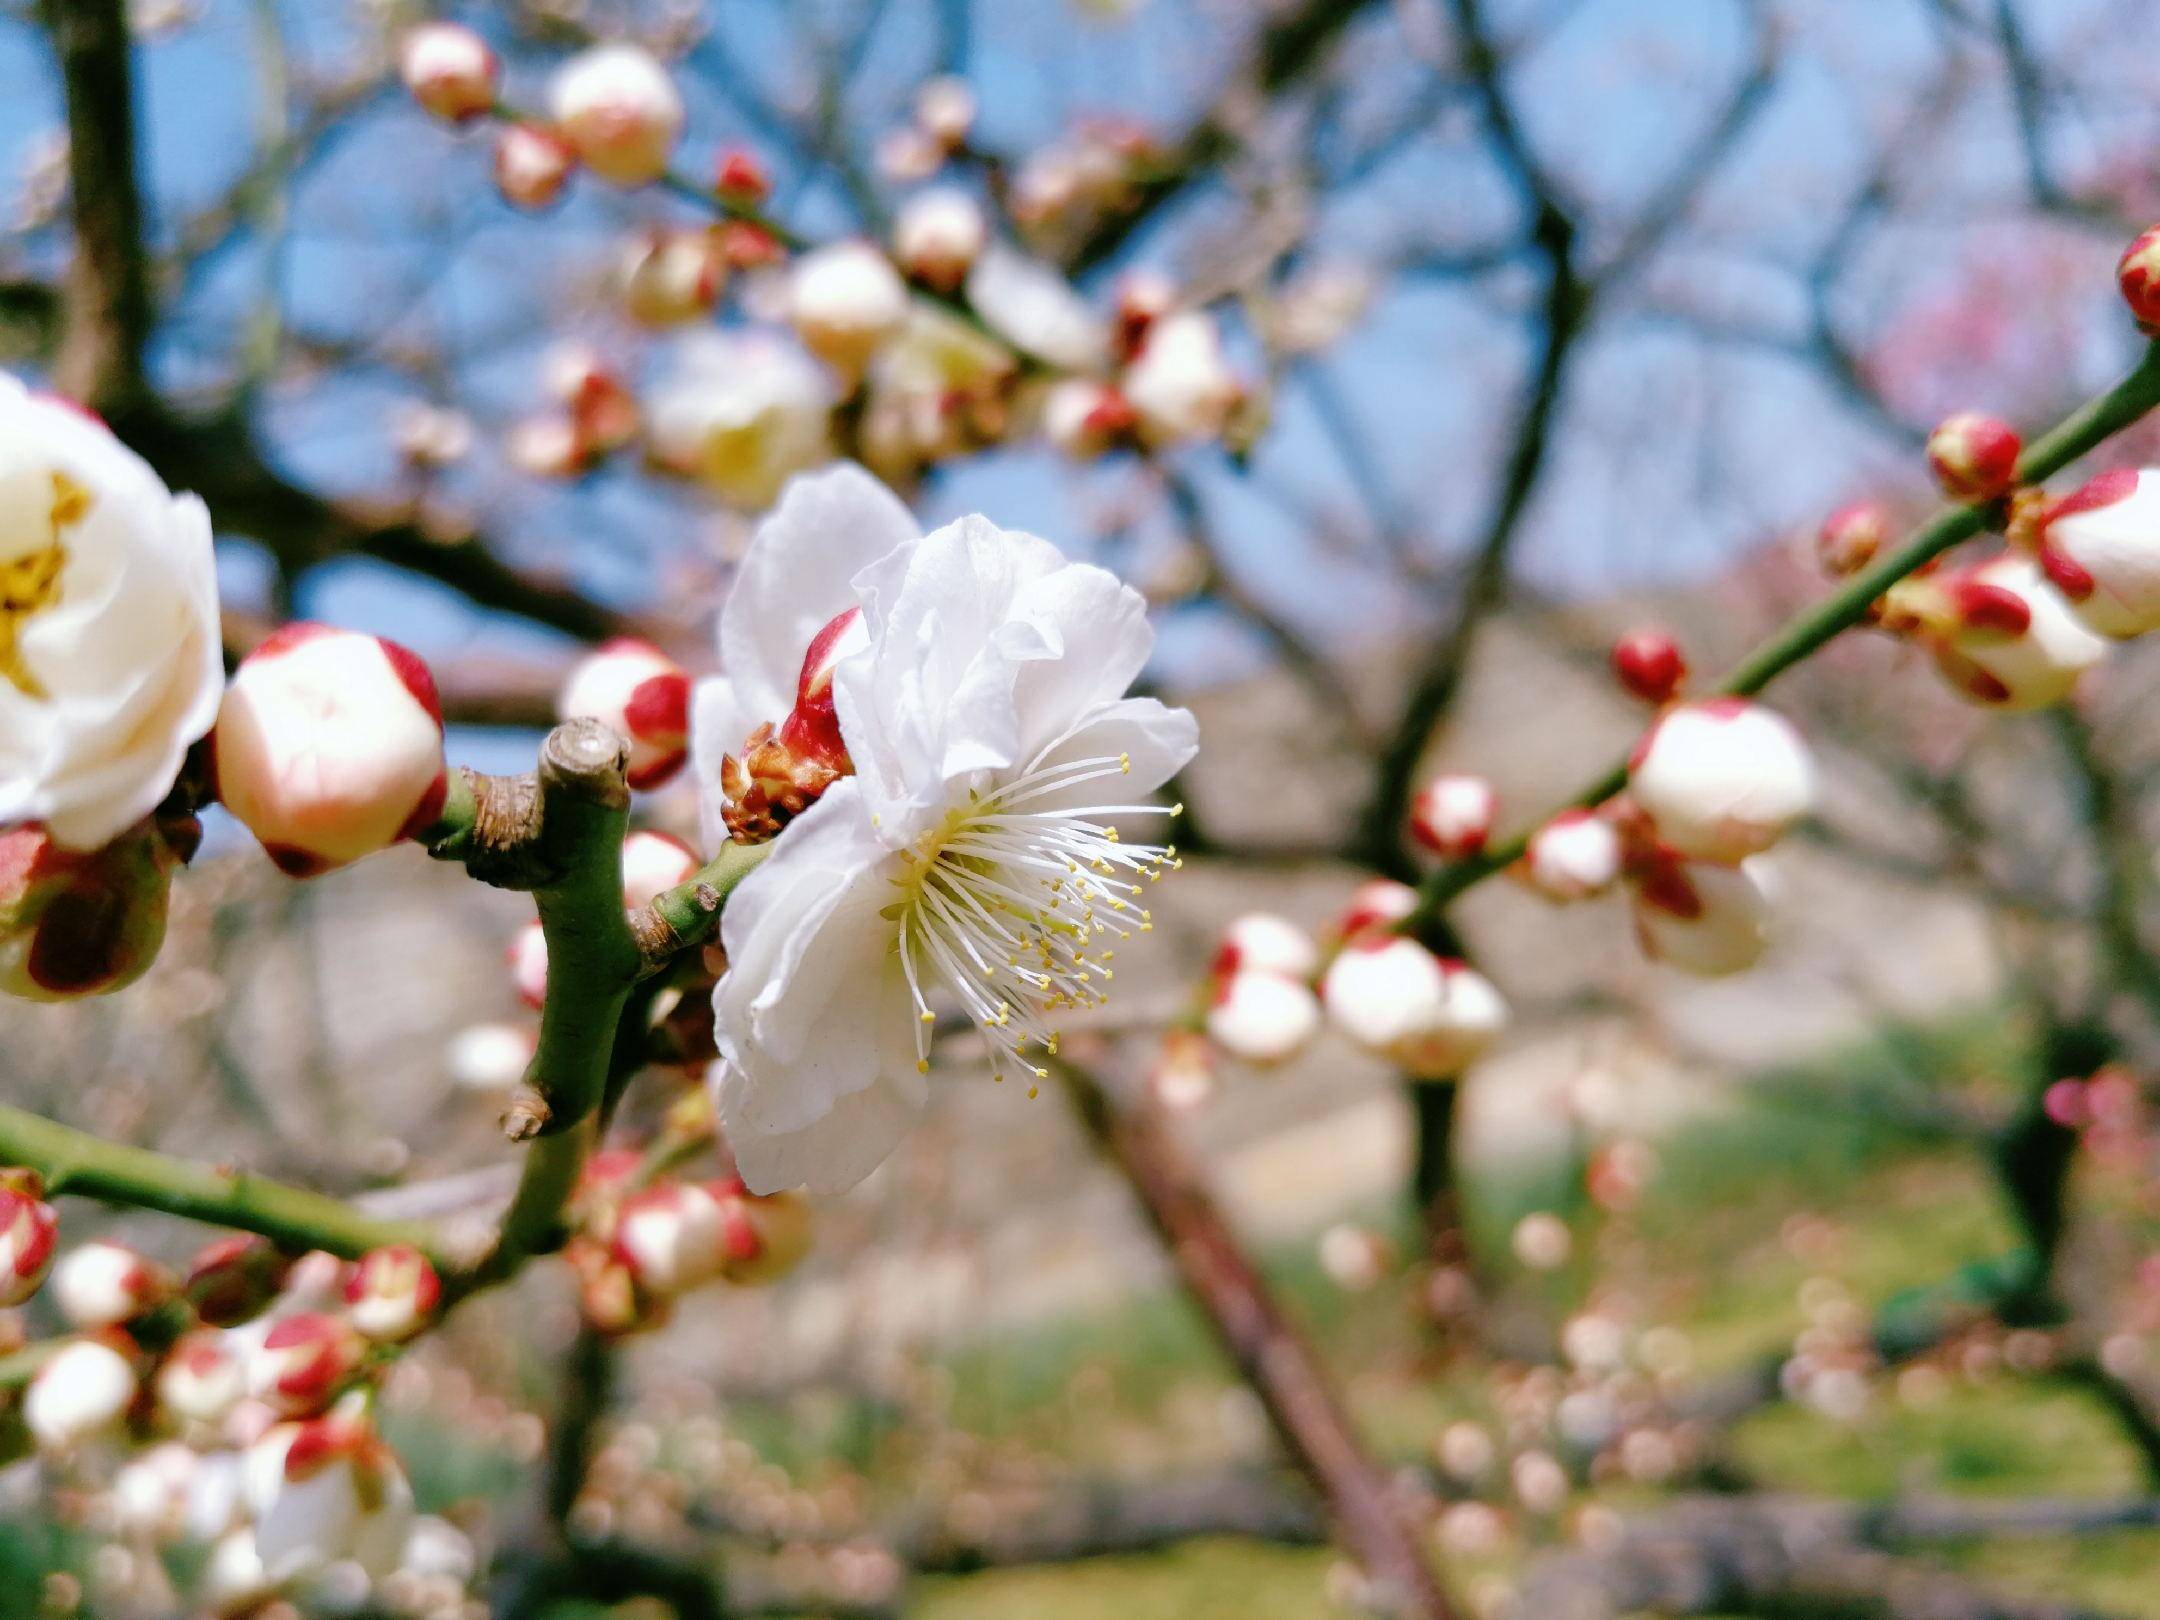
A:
x,y
1143,297
945,111
1261,942
231,1280
1852,537
531,165
2100,547
845,301
1430,1016
1573,856
745,246
494,1057
1377,903
323,1491
610,1297
764,1236
1650,665
603,410
652,864
1974,457
449,70
938,235
79,1393
1179,384
1085,418
1262,1018
641,692
528,959
671,1236
1723,779
83,922
1452,816
1182,1076
620,112
548,447
2000,632
2138,275
672,276
740,177
203,1376
329,747
29,1231
392,1293
102,1284
316,1282
304,1363
1702,918
782,772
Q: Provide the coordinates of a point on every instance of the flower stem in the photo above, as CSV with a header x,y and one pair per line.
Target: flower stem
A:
x,y
2091,425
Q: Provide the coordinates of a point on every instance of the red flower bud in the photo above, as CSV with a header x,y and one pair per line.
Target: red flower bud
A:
x,y
1650,665
2139,277
1453,815
392,1293
305,1362
1851,536
532,165
642,693
762,1237
100,1285
28,1231
232,1279
740,177
1974,457
81,923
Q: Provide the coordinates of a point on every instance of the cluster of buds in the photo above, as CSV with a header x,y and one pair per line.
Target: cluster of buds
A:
x,y
1174,384
1429,1015
1261,1008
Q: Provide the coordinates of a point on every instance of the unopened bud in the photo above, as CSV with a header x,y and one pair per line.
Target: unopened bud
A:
x,y
323,1491
203,1377
845,300
1452,816
610,1297
1261,942
1573,856
764,1236
1431,1017
2100,547
1650,665
645,695
1377,903
619,111
1262,1018
670,1236
652,864
1851,537
1085,418
1974,457
528,959
1702,918
672,276
1722,779
938,235
1182,1077
392,1293
2000,632
81,922
304,1363
945,111
2139,277
449,70
233,1279
100,1284
330,747
740,178
1179,384
29,1230
532,165
81,1392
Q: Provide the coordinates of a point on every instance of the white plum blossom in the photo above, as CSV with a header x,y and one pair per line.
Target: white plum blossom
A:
x,y
1701,917
110,660
742,413
844,300
1430,1016
2101,548
1722,780
1262,1017
392,1293
1033,307
234,1582
1375,903
619,111
1573,856
78,1393
531,165
973,850
203,1376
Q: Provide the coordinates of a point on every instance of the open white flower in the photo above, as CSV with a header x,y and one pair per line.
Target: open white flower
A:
x,y
973,851
109,657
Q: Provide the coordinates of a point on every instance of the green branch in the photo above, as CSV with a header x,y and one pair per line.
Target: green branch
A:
x,y
1806,633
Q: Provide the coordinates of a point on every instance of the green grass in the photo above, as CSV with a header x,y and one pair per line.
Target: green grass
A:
x,y
1201,1580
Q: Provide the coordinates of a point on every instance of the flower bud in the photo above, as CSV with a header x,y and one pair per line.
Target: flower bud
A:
x,y
1650,665
304,1363
82,923
100,1284
672,276
740,178
392,1293
1453,815
2139,277
1261,942
610,1297
323,1491
1974,457
532,165
652,864
2000,632
763,1237
938,235
603,411
528,961
29,1229
945,111
2101,548
1702,918
449,70
1429,1016
494,1057
1262,1018
1377,903
80,1392
846,300
670,1236
1722,779
619,111
1182,1076
1085,418
1851,537
744,246
150,1493
1355,1258
1573,856
645,695
232,1280
203,1377
1179,384
783,771
330,747
233,1583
